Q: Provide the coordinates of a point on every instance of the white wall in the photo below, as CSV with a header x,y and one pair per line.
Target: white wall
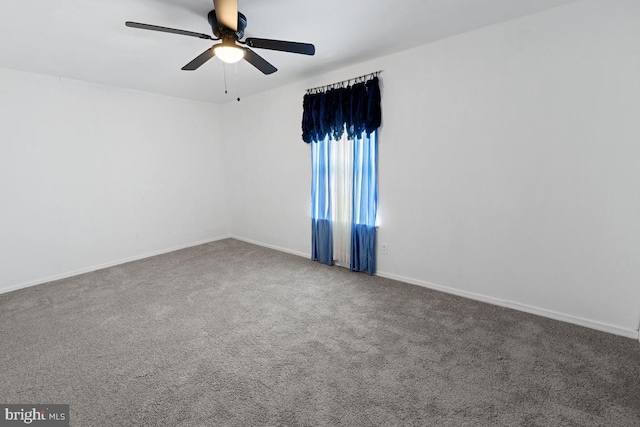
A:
x,y
509,164
92,175
268,173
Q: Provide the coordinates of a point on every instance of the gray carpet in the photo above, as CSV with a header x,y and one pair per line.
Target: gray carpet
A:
x,y
232,334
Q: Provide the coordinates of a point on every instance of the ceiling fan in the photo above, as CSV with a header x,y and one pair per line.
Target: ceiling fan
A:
x,y
228,26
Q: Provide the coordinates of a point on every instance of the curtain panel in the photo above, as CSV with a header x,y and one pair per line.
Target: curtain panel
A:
x,y
365,204
321,234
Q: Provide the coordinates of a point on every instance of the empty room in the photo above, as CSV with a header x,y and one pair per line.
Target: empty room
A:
x,y
320,213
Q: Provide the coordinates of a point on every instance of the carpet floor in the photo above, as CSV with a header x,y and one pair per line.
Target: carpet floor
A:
x,y
232,334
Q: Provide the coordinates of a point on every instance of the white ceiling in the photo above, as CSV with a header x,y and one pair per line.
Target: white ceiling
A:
x,y
87,40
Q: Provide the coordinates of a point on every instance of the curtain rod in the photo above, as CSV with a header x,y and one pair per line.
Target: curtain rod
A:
x,y
344,83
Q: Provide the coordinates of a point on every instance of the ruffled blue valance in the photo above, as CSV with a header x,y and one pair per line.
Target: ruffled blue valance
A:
x,y
353,109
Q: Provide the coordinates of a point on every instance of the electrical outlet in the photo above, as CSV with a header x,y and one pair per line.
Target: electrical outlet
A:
x,y
385,248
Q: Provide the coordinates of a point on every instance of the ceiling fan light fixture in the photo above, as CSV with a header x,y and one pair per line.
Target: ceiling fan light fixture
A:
x,y
229,54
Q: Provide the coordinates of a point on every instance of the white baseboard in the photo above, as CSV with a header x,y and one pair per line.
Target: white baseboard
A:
x,y
599,326
107,265
277,248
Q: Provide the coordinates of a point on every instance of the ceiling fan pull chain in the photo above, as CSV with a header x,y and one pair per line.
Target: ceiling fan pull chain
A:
x,y
237,82
224,68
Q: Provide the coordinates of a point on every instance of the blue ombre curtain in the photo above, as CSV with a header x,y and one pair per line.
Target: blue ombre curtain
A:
x,y
365,203
328,114
321,235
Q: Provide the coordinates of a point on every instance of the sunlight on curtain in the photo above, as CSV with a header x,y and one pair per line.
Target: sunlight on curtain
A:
x,y
341,173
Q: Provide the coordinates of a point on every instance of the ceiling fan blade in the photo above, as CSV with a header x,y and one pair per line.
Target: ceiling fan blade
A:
x,y
283,46
200,59
167,30
259,62
227,13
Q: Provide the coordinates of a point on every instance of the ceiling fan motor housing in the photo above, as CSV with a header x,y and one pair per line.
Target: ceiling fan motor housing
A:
x,y
221,32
